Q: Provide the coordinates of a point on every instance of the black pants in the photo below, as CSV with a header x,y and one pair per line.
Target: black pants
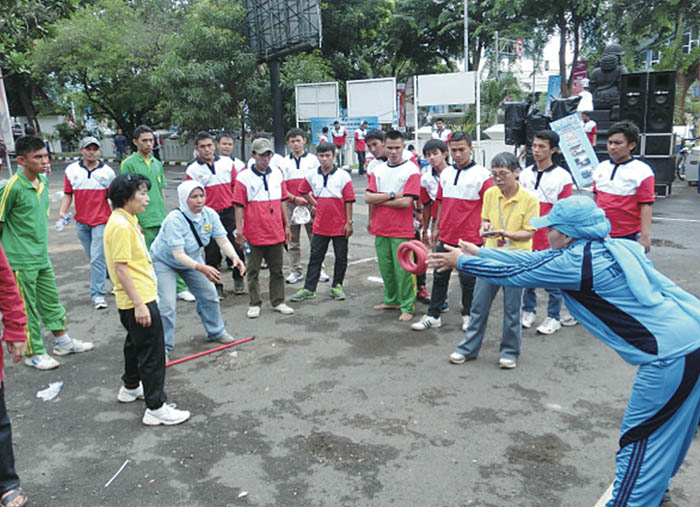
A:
x,y
361,161
319,247
144,355
212,253
441,281
8,476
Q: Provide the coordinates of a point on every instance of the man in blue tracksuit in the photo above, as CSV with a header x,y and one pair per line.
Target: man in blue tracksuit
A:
x,y
613,290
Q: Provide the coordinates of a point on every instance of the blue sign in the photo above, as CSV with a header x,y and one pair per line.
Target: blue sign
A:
x,y
577,149
350,124
553,90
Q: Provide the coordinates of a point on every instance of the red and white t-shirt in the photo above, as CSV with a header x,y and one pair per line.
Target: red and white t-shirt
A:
x,y
429,186
339,135
548,186
620,189
331,192
442,135
591,129
360,140
393,222
461,195
296,168
261,194
218,179
89,190
323,139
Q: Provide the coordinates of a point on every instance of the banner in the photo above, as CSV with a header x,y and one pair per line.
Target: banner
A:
x,y
5,125
580,73
553,91
350,124
576,148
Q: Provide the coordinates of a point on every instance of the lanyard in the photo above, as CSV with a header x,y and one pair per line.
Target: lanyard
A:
x,y
500,215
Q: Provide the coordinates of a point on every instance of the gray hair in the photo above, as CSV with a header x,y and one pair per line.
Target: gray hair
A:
x,y
507,160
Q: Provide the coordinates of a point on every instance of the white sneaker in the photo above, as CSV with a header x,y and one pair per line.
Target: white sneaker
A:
x,y
127,395
294,278
567,320
225,338
506,364
426,323
186,295
72,347
167,414
324,277
284,309
253,312
41,362
465,322
528,319
100,303
457,358
549,326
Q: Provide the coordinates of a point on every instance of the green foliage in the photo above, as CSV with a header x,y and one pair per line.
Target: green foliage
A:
x,y
301,68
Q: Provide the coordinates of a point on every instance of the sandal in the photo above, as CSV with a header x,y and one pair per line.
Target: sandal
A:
x,y
12,495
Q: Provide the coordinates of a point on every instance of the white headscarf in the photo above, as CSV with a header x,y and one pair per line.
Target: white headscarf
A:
x,y
184,190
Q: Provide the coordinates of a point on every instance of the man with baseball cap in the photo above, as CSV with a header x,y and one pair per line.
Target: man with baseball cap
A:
x,y
87,181
262,222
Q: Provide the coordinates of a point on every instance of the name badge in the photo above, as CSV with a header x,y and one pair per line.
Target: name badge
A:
x,y
206,227
503,242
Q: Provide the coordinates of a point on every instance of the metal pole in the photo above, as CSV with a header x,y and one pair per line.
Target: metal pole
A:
x,y
277,126
498,59
466,36
478,109
415,112
210,351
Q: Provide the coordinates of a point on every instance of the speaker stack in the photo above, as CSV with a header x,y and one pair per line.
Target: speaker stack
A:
x,y
647,99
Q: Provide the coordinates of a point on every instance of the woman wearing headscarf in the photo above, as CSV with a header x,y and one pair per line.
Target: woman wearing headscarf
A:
x,y
177,251
611,288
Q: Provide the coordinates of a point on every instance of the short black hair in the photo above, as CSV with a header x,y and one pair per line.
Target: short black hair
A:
x,y
411,147
549,136
435,144
142,129
375,134
627,129
27,144
293,132
324,147
439,119
201,135
324,130
223,135
505,159
336,122
124,186
460,135
394,134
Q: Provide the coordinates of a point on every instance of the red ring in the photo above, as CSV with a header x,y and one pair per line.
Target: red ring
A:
x,y
405,253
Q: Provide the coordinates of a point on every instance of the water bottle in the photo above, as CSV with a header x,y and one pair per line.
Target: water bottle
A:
x,y
246,248
62,222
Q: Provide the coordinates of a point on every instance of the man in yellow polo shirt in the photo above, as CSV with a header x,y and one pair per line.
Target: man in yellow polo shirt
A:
x,y
505,224
130,267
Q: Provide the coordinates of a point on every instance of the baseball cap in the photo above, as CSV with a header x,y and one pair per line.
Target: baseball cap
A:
x,y
262,146
577,217
87,141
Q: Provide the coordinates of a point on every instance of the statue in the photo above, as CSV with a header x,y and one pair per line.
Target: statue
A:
x,y
605,78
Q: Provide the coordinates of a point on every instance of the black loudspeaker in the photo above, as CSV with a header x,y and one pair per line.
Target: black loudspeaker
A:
x,y
534,124
658,144
564,107
661,93
515,122
664,169
633,98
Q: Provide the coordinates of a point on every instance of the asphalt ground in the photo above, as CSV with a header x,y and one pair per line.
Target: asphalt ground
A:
x,y
337,405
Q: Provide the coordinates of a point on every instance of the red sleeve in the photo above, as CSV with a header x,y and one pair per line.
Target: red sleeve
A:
x,y
449,136
67,187
487,184
187,176
348,192
285,192
567,191
240,194
304,187
424,197
372,186
11,305
234,175
414,159
438,196
412,186
645,191
594,130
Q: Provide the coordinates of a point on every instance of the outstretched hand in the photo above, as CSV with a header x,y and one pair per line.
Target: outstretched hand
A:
x,y
449,259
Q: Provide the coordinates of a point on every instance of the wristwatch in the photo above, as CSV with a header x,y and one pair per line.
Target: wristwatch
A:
x,y
349,222
392,196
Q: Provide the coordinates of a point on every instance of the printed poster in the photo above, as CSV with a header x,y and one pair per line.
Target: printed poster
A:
x,y
576,148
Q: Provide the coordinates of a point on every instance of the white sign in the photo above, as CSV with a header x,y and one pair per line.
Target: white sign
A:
x,y
372,97
5,125
317,100
444,89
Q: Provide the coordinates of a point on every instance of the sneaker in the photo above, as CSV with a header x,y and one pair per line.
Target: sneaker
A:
x,y
457,358
549,326
567,320
219,290
100,303
527,319
264,265
294,278
253,312
284,309
506,364
465,322
72,347
127,395
423,296
113,291
167,414
41,362
426,323
186,295
238,287
337,293
323,277
302,295
445,307
225,338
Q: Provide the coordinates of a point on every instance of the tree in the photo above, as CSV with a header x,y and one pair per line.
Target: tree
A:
x,y
301,68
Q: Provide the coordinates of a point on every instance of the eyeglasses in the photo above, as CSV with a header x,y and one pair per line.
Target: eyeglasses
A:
x,y
501,175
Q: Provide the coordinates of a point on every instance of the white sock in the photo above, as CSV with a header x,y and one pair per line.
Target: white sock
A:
x,y
64,339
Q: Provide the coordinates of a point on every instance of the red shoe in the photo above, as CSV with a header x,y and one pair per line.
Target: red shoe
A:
x,y
423,296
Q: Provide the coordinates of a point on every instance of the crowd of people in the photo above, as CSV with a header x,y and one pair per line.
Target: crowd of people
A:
x,y
508,226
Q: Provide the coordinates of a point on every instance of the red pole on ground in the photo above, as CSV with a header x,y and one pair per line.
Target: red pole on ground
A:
x,y
210,351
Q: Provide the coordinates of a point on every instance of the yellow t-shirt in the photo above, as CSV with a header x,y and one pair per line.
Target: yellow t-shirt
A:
x,y
511,215
124,242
